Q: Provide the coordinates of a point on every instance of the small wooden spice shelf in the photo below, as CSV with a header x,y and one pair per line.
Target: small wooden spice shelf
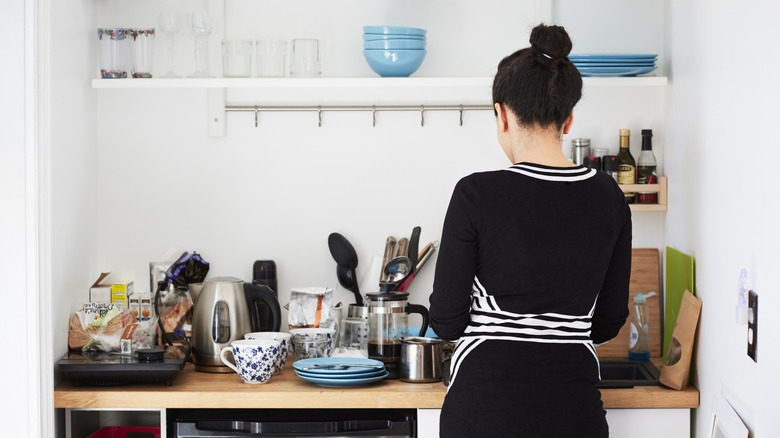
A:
x,y
660,188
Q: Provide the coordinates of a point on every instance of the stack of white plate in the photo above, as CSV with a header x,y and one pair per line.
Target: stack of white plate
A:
x,y
340,372
614,65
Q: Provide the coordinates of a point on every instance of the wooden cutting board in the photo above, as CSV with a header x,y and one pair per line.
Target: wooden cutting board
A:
x,y
645,278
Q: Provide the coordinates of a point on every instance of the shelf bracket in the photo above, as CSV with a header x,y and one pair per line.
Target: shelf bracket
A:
x,y
216,112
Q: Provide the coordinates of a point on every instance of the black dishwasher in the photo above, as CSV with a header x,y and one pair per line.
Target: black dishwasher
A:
x,y
289,423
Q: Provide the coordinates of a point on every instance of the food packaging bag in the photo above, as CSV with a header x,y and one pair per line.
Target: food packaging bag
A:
x,y
100,327
677,363
312,307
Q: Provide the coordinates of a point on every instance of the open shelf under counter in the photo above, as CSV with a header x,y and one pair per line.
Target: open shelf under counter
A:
x,y
359,82
661,188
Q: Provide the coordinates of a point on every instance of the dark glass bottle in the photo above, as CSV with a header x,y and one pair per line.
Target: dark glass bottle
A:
x,y
646,169
626,164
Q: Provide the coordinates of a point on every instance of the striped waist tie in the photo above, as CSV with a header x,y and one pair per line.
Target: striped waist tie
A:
x,y
489,322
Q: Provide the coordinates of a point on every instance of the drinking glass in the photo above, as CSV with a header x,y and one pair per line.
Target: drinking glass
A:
x,y
200,25
170,24
111,53
143,52
305,58
237,58
271,55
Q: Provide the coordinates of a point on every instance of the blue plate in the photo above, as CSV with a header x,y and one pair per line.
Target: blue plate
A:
x,y
613,64
298,365
612,56
344,383
614,71
369,373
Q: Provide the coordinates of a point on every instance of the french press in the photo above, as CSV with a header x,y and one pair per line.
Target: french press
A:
x,y
388,323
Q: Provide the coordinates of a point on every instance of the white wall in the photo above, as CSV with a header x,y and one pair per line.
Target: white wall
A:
x,y
723,210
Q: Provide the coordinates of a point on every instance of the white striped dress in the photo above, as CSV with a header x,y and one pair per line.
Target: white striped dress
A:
x,y
532,273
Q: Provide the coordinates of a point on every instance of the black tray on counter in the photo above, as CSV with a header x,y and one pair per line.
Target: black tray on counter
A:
x,y
111,369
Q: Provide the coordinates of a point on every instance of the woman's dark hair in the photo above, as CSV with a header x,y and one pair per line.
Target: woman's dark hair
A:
x,y
539,83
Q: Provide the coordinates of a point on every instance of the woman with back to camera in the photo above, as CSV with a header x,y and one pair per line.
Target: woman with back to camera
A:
x,y
534,266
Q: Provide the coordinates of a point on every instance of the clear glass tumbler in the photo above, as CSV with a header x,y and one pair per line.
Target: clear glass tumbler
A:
x,y
142,43
112,56
237,58
271,58
305,58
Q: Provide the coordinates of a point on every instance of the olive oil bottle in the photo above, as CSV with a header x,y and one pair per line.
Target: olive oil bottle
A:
x,y
626,164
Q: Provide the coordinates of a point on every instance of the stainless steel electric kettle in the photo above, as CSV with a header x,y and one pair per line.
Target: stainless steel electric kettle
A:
x,y
225,310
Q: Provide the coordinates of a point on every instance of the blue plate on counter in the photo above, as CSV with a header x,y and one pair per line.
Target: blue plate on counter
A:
x,y
344,383
609,64
299,366
372,373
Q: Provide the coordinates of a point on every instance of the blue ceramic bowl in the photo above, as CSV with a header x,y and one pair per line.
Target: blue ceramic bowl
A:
x,y
404,44
380,37
394,63
398,30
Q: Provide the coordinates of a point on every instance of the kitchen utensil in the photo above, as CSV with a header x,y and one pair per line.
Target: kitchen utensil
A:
x,y
342,366
388,323
355,336
680,276
108,369
112,44
347,260
396,271
237,58
271,56
305,58
414,246
170,24
142,49
425,255
389,251
284,347
254,359
403,247
225,311
421,360
392,44
327,382
315,335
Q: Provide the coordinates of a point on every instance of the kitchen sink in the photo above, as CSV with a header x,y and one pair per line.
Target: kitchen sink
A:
x,y
625,373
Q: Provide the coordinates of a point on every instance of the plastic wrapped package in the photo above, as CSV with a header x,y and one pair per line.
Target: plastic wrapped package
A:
x,y
101,326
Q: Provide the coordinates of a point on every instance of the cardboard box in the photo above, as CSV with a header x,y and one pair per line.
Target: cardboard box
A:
x,y
103,291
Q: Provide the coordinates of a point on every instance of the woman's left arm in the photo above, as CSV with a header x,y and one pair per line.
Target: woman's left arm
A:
x,y
456,264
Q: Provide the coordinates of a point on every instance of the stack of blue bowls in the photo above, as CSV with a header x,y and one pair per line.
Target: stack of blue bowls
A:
x,y
394,51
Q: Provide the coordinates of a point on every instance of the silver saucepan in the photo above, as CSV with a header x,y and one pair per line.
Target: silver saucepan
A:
x,y
421,360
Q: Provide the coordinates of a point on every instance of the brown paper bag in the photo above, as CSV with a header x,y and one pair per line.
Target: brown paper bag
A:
x,y
677,364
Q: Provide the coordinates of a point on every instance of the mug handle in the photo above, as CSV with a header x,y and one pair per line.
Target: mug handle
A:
x,y
225,361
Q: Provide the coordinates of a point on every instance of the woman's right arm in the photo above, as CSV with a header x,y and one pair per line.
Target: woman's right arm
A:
x,y
456,264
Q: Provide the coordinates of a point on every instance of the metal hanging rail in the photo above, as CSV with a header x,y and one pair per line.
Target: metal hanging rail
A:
x,y
344,108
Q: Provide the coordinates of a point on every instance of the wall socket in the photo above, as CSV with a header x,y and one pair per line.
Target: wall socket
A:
x,y
752,333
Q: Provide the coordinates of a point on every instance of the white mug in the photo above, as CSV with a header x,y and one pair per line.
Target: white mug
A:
x,y
255,359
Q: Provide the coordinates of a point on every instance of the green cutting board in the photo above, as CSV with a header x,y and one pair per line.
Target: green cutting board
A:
x,y
679,278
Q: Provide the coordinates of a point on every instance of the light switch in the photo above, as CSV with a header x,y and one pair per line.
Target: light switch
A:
x,y
752,347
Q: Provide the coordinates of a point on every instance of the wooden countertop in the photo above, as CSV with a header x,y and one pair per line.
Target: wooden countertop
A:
x,y
192,389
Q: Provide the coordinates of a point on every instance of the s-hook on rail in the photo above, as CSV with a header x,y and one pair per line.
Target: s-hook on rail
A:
x,y
352,108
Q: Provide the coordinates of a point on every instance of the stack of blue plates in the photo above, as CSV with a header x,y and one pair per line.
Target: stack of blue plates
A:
x,y
614,65
340,372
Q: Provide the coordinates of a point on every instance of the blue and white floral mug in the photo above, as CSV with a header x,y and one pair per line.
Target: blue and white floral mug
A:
x,y
255,359
284,338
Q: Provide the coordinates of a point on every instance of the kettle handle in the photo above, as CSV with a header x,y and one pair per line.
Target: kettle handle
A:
x,y
259,292
422,311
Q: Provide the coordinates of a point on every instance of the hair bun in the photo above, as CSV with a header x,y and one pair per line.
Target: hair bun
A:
x,y
552,41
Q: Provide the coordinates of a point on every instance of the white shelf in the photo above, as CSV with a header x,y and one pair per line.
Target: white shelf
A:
x,y
417,82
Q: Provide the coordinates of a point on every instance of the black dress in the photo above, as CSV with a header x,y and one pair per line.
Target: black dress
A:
x,y
532,273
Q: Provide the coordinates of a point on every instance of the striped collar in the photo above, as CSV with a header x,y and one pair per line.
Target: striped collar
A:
x,y
551,173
